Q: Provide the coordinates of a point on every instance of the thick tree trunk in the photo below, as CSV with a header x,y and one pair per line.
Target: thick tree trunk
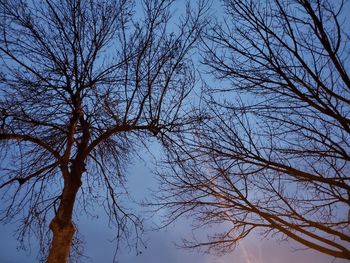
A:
x,y
61,225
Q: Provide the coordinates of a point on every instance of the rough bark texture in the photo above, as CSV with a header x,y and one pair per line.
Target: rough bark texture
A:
x,y
61,225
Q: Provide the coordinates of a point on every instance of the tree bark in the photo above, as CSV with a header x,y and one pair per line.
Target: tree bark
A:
x,y
61,225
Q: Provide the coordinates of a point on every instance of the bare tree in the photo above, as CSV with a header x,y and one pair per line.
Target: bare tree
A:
x,y
83,84
274,155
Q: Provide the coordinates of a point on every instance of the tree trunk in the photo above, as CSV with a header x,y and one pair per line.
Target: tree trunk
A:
x,y
62,225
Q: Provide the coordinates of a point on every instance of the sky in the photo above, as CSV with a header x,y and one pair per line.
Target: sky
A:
x,y
160,244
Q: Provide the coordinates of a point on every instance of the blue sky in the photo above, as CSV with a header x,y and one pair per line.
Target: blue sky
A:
x,y
160,244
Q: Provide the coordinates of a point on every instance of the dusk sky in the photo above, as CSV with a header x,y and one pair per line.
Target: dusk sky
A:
x,y
161,244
